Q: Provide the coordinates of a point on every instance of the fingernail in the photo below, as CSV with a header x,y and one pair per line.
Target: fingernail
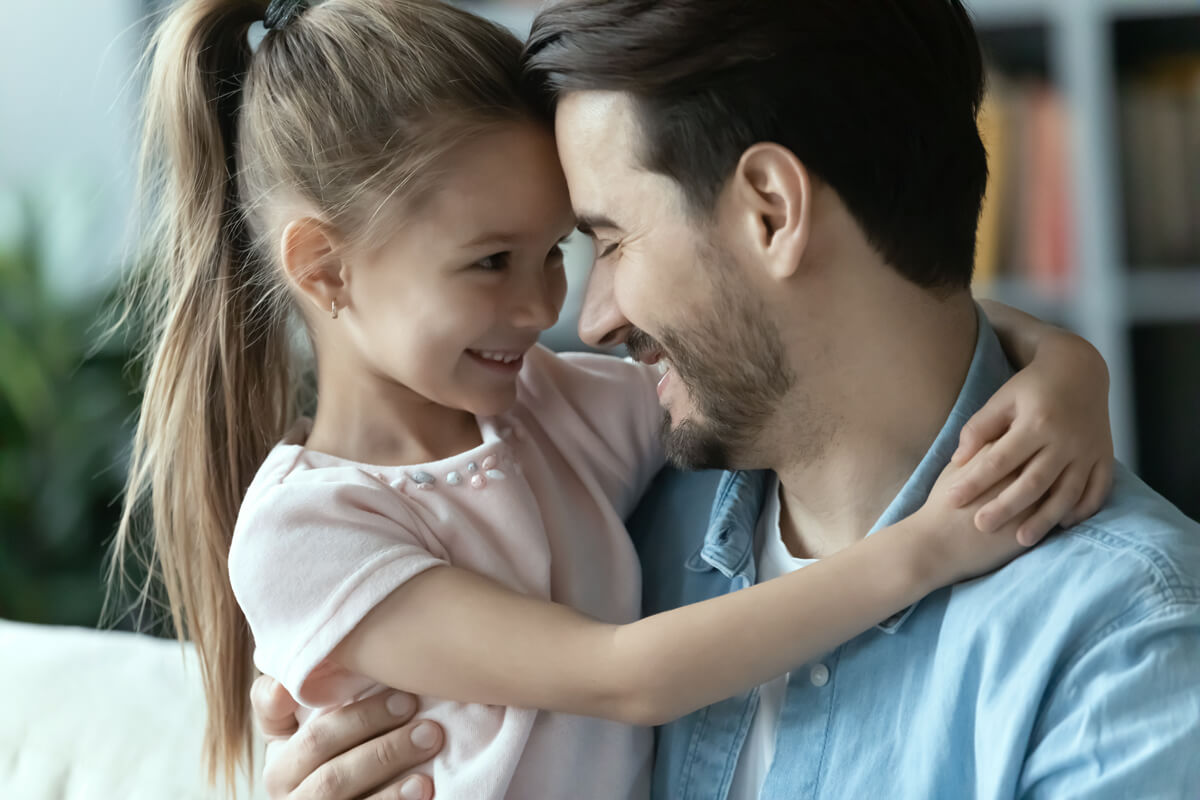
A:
x,y
412,789
400,704
424,736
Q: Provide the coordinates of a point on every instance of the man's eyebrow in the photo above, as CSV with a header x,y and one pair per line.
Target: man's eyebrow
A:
x,y
588,223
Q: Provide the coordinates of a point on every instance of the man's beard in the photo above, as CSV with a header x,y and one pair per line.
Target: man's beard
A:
x,y
732,363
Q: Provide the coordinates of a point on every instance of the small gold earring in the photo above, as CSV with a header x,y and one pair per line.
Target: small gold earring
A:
x,y
333,308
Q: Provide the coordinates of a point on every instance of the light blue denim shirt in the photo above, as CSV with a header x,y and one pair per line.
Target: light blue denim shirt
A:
x,y
1073,672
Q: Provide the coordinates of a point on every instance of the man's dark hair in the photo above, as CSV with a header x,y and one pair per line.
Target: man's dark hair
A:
x,y
878,98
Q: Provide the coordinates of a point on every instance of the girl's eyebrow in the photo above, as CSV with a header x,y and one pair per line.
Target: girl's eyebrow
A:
x,y
494,237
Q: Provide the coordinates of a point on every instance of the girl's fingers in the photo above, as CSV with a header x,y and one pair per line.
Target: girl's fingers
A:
x,y
992,464
987,425
1034,480
1099,486
1054,509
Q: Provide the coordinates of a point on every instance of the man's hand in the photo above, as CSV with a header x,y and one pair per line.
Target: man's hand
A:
x,y
359,751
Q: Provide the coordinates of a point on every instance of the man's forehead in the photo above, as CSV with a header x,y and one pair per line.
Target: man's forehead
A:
x,y
596,122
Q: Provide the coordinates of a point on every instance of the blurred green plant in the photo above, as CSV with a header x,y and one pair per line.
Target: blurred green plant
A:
x,y
67,401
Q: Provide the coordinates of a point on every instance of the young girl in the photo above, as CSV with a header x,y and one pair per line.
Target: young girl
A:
x,y
377,172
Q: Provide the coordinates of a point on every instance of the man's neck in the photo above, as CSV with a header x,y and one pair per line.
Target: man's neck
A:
x,y
905,365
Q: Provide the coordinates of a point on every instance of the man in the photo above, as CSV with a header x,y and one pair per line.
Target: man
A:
x,y
784,197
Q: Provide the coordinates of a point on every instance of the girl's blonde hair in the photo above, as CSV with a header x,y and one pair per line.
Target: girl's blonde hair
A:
x,y
344,112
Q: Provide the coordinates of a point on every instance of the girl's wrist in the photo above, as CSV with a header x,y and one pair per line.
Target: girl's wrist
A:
x,y
920,559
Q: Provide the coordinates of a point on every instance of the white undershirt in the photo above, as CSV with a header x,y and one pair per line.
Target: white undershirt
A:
x,y
758,751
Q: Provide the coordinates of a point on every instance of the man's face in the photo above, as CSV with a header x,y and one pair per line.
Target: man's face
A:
x,y
665,285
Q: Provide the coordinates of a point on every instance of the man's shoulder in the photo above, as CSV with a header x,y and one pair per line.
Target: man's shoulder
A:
x,y
1136,558
1138,536
679,499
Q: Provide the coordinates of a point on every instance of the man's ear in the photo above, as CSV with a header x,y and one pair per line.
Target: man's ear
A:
x,y
313,265
774,195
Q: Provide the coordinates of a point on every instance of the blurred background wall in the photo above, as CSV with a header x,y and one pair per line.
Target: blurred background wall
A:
x,y
1092,221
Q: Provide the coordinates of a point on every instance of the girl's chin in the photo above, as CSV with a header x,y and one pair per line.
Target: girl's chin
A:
x,y
491,403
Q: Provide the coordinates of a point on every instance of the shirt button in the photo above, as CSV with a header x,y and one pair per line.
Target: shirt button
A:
x,y
819,675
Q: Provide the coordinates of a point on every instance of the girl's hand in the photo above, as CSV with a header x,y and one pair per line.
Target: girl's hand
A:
x,y
1048,430
957,550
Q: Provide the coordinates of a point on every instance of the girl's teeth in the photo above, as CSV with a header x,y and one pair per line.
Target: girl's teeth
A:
x,y
503,358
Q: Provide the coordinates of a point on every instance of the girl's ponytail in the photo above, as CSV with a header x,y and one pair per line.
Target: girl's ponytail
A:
x,y
339,115
217,392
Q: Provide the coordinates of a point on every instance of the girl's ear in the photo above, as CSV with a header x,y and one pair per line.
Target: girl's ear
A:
x,y
312,262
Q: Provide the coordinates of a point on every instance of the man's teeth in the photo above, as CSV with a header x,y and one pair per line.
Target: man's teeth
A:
x,y
503,358
663,366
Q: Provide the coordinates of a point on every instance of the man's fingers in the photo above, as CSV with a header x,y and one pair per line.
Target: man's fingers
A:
x,y
327,738
274,709
360,770
414,787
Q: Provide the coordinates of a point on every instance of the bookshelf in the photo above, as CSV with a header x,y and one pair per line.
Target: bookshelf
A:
x,y
1118,303
1114,297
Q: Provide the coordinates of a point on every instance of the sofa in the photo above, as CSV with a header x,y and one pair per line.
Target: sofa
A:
x,y
96,715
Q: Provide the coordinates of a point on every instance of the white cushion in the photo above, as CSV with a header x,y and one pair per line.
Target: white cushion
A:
x,y
94,715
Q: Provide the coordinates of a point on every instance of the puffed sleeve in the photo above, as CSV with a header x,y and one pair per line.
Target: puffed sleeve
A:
x,y
604,414
310,557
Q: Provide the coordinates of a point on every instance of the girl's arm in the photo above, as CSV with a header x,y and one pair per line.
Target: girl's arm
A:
x,y
453,634
1049,422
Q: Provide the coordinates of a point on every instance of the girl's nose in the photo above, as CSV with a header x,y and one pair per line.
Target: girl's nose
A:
x,y
539,301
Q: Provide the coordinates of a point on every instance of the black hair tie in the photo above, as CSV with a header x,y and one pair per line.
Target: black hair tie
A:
x,y
281,13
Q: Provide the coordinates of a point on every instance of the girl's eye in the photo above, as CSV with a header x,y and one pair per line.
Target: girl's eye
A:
x,y
607,250
493,263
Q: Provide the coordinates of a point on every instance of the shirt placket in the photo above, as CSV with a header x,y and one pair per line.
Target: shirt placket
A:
x,y
720,732
804,730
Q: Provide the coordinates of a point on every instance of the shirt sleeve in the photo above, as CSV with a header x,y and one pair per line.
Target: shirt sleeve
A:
x,y
603,412
1124,718
309,559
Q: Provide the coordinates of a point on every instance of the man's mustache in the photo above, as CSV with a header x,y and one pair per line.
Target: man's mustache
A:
x,y
639,344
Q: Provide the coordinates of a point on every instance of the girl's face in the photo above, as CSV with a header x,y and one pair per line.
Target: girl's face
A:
x,y
450,305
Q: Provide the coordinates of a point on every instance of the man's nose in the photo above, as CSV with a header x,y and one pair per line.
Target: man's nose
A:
x,y
601,323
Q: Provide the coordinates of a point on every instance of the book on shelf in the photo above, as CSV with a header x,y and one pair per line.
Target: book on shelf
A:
x,y
1025,226
1160,163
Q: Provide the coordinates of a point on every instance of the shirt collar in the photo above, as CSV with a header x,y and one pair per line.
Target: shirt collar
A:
x,y
729,544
